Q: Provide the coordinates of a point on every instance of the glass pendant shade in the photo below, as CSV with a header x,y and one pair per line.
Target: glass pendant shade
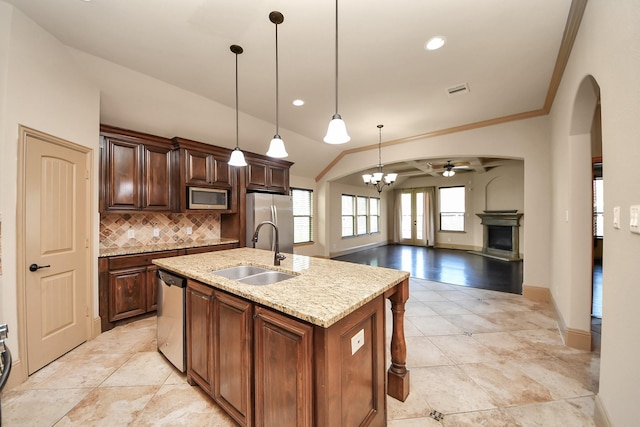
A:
x,y
390,178
377,176
237,158
276,148
337,131
366,178
448,173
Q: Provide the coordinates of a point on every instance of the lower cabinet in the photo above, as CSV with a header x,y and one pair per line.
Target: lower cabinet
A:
x,y
283,370
219,348
268,369
128,284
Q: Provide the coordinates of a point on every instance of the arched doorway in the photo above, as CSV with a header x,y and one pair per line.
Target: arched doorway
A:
x,y
586,169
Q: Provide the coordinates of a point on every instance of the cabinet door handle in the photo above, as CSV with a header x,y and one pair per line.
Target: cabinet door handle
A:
x,y
36,267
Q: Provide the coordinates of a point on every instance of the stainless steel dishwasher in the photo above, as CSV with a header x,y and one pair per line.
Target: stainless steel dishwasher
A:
x,y
171,318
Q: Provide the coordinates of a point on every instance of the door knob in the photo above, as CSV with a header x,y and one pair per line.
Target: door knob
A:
x,y
36,267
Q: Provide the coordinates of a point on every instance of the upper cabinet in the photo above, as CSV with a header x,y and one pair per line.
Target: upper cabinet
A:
x,y
265,174
135,171
202,165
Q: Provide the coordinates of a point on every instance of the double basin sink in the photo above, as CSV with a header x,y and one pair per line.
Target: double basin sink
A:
x,y
253,275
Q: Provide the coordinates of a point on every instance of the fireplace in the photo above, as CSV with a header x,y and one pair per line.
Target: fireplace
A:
x,y
501,234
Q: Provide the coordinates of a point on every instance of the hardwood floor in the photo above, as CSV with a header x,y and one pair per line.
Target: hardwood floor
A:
x,y
452,266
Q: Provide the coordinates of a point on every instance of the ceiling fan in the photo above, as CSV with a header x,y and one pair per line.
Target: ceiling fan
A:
x,y
450,168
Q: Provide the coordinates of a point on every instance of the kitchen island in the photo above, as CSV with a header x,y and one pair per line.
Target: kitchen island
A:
x,y
306,351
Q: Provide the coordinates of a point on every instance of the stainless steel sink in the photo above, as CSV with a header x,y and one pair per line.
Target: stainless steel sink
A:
x,y
252,275
240,271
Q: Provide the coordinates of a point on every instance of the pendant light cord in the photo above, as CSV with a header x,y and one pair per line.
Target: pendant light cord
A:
x,y
277,86
237,106
336,56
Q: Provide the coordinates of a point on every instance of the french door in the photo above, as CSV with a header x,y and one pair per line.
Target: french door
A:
x,y
412,228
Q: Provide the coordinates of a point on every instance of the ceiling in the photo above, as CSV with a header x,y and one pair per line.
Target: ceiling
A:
x,y
505,51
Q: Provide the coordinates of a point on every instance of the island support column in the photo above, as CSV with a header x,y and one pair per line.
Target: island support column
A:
x,y
398,374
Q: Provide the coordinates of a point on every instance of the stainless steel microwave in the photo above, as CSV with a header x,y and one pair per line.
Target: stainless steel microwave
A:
x,y
207,198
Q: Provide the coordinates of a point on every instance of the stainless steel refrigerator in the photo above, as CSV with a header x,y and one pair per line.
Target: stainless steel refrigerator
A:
x,y
276,208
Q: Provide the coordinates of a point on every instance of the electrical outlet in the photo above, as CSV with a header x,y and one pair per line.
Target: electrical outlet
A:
x,y
189,231
357,341
131,233
156,232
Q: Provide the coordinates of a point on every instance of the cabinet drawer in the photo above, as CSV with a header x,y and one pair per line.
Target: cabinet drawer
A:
x,y
128,261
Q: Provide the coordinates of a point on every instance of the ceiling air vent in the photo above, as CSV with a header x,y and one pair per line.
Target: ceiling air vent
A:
x,y
458,89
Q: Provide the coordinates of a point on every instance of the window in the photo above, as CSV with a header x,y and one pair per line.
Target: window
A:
x,y
302,215
598,208
360,215
452,209
374,215
348,217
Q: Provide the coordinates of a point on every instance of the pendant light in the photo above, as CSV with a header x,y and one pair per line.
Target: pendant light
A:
x,y
237,157
379,179
337,130
276,147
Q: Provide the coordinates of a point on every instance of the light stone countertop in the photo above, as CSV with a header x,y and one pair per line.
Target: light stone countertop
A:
x,y
142,249
323,292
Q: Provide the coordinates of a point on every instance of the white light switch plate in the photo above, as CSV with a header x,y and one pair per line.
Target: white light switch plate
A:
x,y
357,341
616,217
634,219
189,230
156,232
131,233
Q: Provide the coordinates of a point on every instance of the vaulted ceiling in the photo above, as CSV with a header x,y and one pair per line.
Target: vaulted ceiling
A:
x,y
506,53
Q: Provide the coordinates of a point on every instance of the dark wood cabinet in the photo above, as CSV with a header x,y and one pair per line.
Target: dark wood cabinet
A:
x,y
199,306
202,165
127,293
135,171
219,350
283,368
128,284
267,175
268,369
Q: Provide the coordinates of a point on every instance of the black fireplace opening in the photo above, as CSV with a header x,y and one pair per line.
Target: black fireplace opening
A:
x,y
499,237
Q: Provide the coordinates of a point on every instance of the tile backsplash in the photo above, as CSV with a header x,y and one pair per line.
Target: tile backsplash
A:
x,y
115,228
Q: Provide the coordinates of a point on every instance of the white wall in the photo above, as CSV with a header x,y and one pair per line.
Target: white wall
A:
x,y
524,139
42,89
608,48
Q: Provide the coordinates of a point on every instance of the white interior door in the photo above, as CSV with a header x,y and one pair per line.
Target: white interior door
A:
x,y
56,249
412,217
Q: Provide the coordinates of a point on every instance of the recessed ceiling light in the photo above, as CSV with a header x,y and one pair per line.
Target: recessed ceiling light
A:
x,y
298,102
435,43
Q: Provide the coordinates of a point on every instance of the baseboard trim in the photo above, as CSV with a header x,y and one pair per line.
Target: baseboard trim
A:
x,y
579,339
601,417
17,375
356,249
96,327
536,293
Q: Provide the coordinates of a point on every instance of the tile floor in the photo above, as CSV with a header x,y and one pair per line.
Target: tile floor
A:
x,y
478,357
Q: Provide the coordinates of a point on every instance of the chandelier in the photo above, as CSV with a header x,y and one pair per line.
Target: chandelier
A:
x,y
378,178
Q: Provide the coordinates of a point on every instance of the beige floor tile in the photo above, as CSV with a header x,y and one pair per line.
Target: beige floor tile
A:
x,y
148,368
182,405
456,295
509,345
418,308
490,418
464,349
109,406
422,352
433,325
506,383
558,413
561,381
39,408
444,308
447,389
510,321
473,323
414,407
414,422
483,306
426,296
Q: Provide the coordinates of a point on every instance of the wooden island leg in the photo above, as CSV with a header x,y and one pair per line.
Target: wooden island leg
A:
x,y
398,374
